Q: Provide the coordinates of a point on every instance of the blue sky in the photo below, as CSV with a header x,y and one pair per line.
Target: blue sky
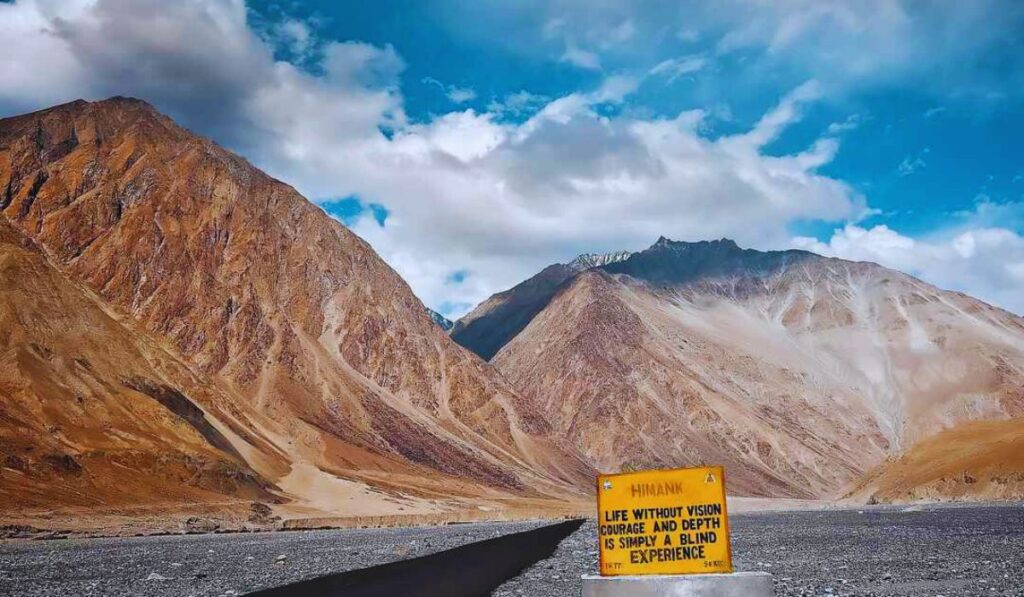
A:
x,y
966,133
473,143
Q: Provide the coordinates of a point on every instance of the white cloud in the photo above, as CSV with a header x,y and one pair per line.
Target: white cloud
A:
x,y
985,262
852,122
297,36
458,95
579,57
622,33
674,68
784,114
463,135
461,95
467,190
518,104
503,200
912,163
848,43
943,48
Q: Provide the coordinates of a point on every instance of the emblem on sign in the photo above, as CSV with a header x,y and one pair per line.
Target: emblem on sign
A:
x,y
663,522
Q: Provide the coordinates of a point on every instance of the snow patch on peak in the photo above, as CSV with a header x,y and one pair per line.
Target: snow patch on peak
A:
x,y
445,323
589,260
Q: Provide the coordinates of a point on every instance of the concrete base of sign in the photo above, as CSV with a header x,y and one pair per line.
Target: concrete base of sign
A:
x,y
737,584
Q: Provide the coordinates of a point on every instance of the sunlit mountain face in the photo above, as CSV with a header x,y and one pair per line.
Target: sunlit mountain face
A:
x,y
806,374
469,256
184,328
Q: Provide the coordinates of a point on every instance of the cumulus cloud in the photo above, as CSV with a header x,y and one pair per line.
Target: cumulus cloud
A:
x,y
973,257
458,95
199,61
501,200
579,57
297,36
518,104
465,191
491,195
673,68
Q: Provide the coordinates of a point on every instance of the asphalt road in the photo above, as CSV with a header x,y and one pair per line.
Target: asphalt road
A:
x,y
929,551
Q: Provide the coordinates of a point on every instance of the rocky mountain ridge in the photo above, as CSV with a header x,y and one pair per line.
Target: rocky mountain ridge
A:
x,y
356,401
487,328
94,411
801,373
589,260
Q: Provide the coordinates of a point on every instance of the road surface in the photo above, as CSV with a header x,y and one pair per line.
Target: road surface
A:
x,y
918,551
883,551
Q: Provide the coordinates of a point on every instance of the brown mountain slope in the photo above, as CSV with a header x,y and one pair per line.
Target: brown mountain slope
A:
x,y
980,460
798,372
316,340
494,322
93,412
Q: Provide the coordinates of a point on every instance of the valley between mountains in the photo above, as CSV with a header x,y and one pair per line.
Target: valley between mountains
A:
x,y
180,332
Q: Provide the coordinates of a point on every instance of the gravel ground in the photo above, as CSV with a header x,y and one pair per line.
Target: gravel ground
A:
x,y
229,564
919,551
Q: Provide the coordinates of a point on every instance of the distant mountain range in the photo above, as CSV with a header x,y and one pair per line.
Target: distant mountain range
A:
x,y
177,327
802,374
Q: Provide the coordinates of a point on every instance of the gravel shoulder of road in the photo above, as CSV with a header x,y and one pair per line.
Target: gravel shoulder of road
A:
x,y
214,565
906,551
916,551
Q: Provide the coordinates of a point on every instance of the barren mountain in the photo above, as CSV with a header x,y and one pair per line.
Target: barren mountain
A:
x,y
494,322
95,412
798,372
977,460
315,344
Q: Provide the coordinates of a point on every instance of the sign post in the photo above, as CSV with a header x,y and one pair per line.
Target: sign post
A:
x,y
666,532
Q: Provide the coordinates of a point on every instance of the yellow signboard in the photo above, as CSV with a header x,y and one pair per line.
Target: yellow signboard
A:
x,y
663,522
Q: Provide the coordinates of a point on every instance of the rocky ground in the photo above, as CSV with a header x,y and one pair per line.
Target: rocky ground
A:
x,y
216,565
883,551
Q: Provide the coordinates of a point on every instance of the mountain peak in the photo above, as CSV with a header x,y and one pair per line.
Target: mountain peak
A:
x,y
126,100
338,339
665,242
672,262
589,260
114,102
